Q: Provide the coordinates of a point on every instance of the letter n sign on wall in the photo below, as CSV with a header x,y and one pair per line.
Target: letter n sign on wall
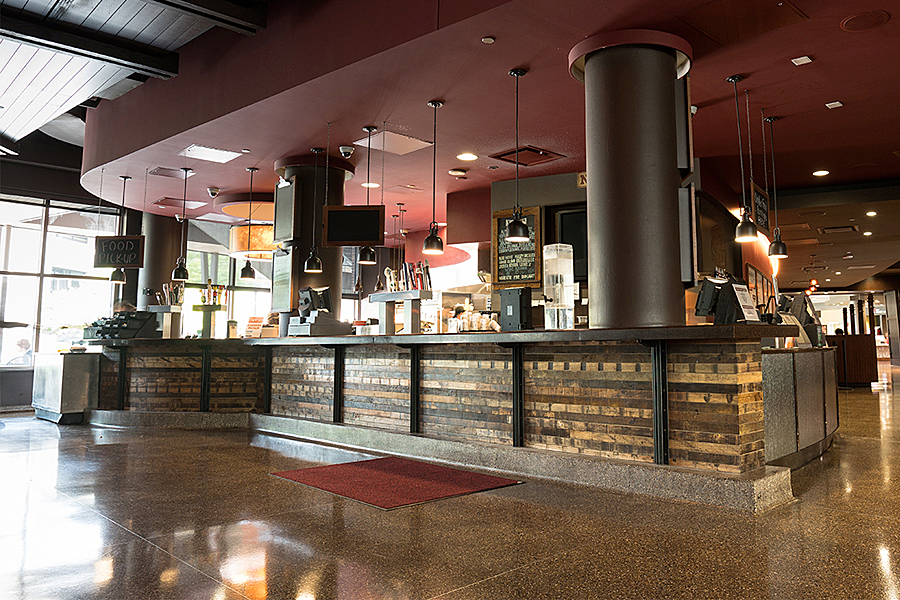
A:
x,y
126,251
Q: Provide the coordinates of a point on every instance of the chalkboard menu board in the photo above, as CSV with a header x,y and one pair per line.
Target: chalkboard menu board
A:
x,y
126,251
516,264
760,208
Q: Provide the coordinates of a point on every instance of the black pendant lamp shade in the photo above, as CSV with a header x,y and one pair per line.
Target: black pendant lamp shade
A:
x,y
180,273
777,249
433,243
313,263
746,230
367,254
118,276
517,230
248,272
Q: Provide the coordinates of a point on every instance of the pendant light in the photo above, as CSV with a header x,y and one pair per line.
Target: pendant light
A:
x,y
746,230
313,263
247,273
367,253
777,249
433,243
517,230
180,273
118,276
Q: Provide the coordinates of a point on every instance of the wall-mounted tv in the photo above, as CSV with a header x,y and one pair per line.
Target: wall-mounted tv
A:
x,y
353,226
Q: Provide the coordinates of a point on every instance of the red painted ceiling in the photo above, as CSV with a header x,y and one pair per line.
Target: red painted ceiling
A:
x,y
357,64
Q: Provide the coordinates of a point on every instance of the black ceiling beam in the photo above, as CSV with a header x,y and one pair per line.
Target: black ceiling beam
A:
x,y
228,15
161,65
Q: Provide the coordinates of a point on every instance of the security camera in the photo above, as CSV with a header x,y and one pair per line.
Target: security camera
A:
x,y
347,151
212,191
179,217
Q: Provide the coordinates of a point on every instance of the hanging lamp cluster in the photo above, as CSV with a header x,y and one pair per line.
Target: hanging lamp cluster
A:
x,y
118,276
433,243
180,273
517,230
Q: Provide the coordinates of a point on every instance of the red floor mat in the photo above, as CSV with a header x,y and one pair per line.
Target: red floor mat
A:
x,y
393,482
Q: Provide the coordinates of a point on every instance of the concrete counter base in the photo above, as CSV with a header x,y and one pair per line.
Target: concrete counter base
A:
x,y
754,492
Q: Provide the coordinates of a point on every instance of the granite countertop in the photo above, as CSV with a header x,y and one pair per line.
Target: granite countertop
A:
x,y
687,332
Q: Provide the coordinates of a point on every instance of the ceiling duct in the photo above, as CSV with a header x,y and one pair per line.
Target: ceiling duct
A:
x,y
528,156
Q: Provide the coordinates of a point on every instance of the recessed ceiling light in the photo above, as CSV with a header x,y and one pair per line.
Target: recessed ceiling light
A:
x,y
867,233
216,155
801,60
493,167
821,173
245,150
370,184
488,39
457,172
871,213
837,272
834,104
467,156
828,280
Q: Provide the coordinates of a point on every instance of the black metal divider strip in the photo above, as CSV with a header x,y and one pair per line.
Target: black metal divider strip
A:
x,y
205,377
414,400
660,391
267,380
122,381
338,402
517,374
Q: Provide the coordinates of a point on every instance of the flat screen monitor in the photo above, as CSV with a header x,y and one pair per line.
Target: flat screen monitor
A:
x,y
719,298
353,226
311,299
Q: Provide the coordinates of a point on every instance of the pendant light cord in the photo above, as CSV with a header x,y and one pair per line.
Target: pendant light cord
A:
x,y
762,122
369,129
749,137
771,120
435,105
144,209
184,170
316,151
737,108
517,209
250,211
99,199
124,179
327,163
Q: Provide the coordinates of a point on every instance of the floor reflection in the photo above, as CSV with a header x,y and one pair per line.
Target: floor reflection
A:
x,y
129,514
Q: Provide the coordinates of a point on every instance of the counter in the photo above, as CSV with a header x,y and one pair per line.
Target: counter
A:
x,y
64,385
685,396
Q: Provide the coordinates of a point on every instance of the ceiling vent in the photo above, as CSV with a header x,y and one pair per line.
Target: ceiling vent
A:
x,y
403,189
172,173
804,242
528,156
794,226
865,21
217,218
841,229
859,267
177,203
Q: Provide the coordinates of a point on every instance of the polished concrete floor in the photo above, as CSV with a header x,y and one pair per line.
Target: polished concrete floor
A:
x,y
89,513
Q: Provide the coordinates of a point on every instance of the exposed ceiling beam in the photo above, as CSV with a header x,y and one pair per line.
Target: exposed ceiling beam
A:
x,y
162,65
228,15
8,146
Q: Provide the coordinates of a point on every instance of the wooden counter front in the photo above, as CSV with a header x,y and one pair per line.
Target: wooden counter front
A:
x,y
585,391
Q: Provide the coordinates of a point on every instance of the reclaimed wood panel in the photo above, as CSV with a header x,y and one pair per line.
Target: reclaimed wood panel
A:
x,y
303,382
716,405
376,387
163,378
466,392
590,398
236,380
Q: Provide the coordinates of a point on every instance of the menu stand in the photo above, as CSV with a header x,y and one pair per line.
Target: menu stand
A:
x,y
412,307
209,318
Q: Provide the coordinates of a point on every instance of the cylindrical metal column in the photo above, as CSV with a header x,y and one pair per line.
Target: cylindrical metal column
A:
x,y
633,181
162,247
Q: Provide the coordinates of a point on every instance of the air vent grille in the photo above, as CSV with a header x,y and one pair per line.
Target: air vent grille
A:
x,y
859,267
528,156
840,229
172,173
177,202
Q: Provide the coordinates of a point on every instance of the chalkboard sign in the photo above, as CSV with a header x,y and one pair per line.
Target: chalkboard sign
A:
x,y
516,264
126,251
760,208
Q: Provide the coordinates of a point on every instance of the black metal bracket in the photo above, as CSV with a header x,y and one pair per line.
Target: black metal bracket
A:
x,y
122,381
660,387
267,380
337,401
205,377
415,406
518,393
